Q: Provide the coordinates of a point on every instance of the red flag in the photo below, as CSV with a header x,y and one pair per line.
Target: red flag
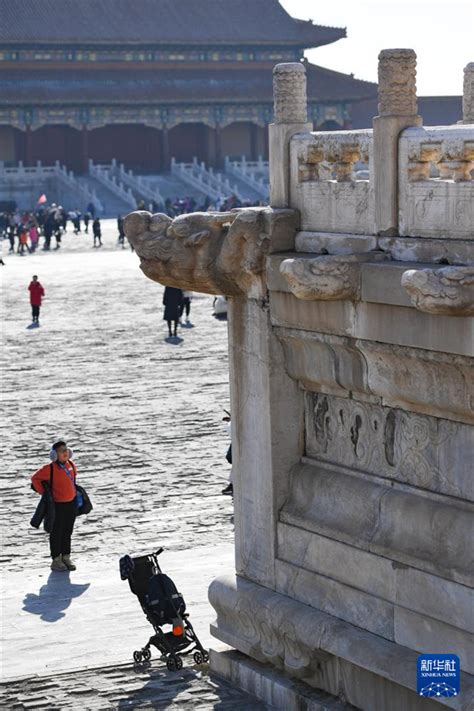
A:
x,y
42,199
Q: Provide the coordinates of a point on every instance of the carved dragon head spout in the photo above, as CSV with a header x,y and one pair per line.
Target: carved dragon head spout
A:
x,y
214,253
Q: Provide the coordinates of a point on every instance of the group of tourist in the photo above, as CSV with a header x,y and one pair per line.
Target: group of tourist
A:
x,y
184,205
23,229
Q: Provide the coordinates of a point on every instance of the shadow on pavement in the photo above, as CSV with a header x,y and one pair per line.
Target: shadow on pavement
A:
x,y
159,688
174,340
54,597
163,689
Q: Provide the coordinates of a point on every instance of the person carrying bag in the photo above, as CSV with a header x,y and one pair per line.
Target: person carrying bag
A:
x,y
56,482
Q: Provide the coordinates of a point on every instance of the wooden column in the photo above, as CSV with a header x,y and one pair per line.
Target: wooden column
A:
x,y
218,145
210,156
85,149
28,146
165,149
266,141
253,142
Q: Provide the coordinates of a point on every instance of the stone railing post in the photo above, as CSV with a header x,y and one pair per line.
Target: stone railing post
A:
x,y
397,110
289,98
468,94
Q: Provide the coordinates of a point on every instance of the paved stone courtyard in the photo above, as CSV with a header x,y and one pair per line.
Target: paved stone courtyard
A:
x,y
144,418
126,687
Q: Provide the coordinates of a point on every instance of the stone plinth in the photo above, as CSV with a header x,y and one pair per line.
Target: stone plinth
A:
x,y
365,516
351,368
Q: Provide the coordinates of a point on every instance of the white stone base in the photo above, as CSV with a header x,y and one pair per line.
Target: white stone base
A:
x,y
271,686
320,652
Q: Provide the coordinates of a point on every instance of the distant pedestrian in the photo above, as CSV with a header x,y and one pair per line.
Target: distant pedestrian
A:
x,y
36,295
172,300
91,209
77,222
75,217
11,234
62,218
229,489
60,475
87,219
34,236
97,232
121,231
186,305
23,241
48,229
60,223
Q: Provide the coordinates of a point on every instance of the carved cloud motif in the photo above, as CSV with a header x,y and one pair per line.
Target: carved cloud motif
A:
x,y
448,290
325,278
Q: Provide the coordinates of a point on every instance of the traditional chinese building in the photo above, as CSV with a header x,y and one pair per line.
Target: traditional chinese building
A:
x,y
144,80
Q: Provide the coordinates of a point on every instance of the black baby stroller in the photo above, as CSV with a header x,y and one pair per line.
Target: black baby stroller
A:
x,y
162,605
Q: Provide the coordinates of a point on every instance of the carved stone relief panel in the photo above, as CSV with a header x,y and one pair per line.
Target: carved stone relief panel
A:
x,y
327,187
436,189
416,449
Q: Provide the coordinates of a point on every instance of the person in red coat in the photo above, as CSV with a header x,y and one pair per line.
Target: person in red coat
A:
x,y
36,294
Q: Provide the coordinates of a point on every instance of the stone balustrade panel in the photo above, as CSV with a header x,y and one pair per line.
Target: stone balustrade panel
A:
x,y
253,173
331,181
26,176
436,186
209,183
103,175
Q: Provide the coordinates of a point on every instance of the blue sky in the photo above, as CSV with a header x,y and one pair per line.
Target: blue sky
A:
x,y
440,32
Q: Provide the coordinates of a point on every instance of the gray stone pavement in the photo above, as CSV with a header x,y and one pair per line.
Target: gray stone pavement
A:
x,y
143,416
145,420
128,687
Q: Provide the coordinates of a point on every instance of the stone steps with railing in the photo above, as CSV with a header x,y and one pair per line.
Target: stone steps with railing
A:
x,y
22,180
252,173
140,187
172,187
112,204
104,175
213,184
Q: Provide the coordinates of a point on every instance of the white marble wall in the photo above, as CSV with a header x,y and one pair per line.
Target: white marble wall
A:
x,y
353,398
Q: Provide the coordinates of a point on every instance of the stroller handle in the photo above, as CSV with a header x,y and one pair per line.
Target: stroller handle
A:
x,y
159,551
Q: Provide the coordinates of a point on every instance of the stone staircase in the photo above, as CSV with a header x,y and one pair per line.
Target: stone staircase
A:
x,y
171,186
252,175
112,204
246,191
24,184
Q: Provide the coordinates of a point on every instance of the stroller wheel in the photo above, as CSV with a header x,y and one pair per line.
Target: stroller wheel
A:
x,y
171,664
137,656
178,662
205,657
146,655
198,658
